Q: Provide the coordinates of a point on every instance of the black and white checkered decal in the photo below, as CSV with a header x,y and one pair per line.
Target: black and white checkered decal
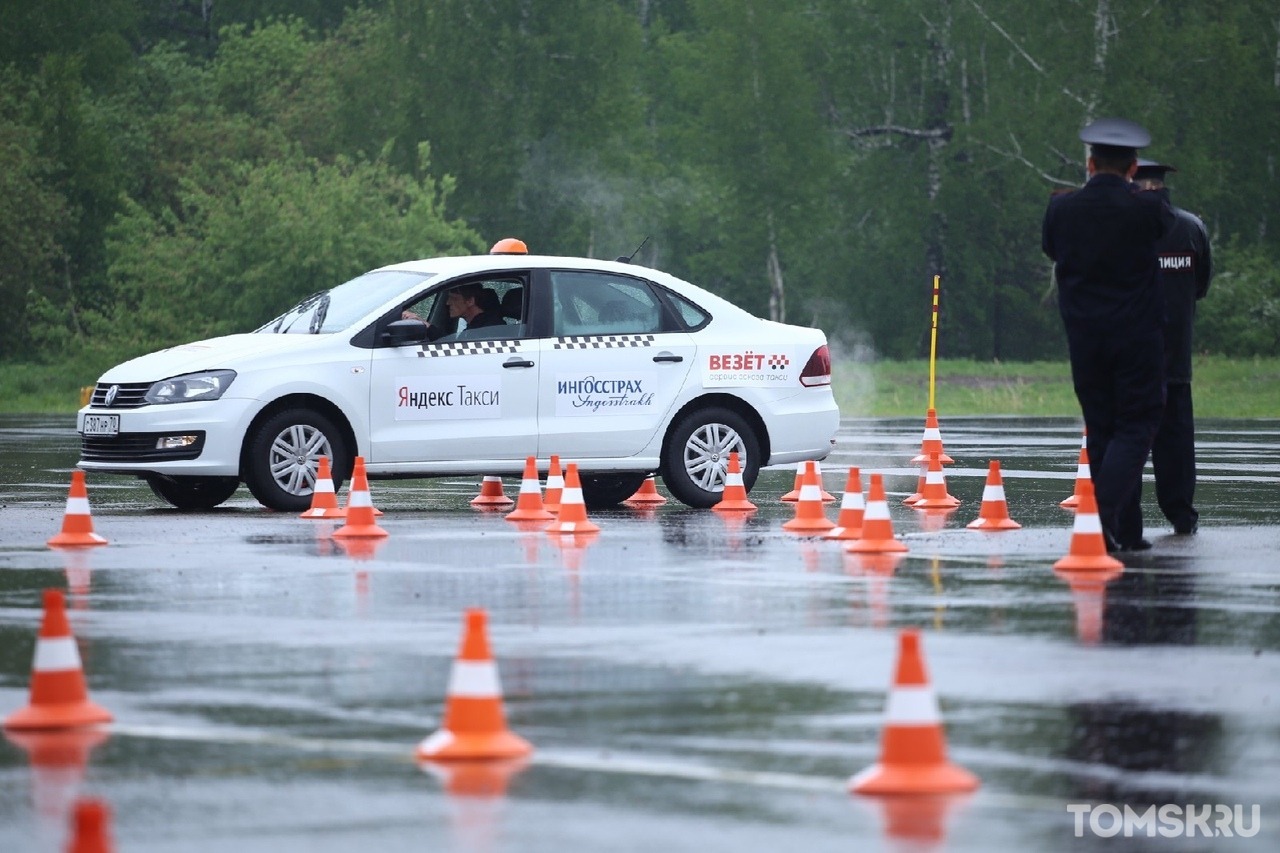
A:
x,y
468,348
604,341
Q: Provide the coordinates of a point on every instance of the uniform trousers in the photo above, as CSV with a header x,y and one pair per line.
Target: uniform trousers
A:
x,y
1173,456
1119,381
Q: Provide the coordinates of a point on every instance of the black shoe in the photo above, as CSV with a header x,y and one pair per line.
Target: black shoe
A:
x,y
1186,529
1140,545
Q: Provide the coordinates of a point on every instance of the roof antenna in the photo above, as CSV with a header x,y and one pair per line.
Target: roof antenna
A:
x,y
626,259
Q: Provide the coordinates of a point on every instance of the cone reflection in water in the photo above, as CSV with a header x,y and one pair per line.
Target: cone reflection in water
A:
x,y
475,725
77,522
90,827
994,514
918,823
324,499
360,515
852,508
475,778
529,501
734,497
913,748
647,494
59,697
933,520
362,549
1083,473
79,571
810,518
876,572
877,527
58,760
555,486
491,495
1088,550
931,441
1089,595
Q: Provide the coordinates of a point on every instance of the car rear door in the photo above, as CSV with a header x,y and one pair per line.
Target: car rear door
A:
x,y
611,369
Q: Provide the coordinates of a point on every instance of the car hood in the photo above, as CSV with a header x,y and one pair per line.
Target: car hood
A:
x,y
212,354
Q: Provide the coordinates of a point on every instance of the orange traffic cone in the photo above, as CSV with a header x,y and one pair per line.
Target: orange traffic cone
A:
x,y
918,494
1082,474
931,441
647,494
59,697
827,497
794,495
1089,594
994,514
1088,550
810,518
324,500
491,495
934,495
877,527
734,496
555,487
913,747
360,515
529,501
852,508
77,524
474,726
90,827
573,512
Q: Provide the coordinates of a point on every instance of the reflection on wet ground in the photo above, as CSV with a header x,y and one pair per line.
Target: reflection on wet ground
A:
x,y
689,681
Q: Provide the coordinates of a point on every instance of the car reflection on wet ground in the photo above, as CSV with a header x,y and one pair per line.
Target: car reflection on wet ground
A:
x,y
688,682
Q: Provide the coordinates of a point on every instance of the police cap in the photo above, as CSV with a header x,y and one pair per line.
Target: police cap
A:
x,y
1150,170
1116,133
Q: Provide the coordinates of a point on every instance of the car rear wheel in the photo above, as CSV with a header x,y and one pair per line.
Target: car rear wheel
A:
x,y
601,491
192,493
696,456
284,453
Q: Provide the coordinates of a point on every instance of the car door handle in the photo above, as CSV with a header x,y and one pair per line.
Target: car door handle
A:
x,y
674,359
517,362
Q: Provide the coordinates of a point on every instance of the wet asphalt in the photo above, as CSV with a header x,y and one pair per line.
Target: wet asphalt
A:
x,y
688,683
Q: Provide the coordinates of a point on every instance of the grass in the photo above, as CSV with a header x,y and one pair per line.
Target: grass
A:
x,y
1224,388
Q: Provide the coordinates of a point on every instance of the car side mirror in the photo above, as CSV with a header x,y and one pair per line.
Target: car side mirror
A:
x,y
399,333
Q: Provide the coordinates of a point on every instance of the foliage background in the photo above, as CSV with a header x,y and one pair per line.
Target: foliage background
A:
x,y
177,170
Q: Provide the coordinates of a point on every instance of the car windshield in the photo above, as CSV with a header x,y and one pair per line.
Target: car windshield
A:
x,y
335,310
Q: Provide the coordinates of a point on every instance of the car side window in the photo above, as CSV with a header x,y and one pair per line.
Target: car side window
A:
x,y
591,303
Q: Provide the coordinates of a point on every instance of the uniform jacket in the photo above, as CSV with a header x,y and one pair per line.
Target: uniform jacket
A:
x,y
1102,239
1186,265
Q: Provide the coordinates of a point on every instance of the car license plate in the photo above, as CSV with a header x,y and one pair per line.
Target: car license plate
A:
x,y
101,425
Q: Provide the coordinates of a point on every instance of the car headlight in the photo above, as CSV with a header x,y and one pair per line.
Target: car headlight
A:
x,y
193,386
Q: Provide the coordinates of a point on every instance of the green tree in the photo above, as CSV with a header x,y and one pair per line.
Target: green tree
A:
x,y
251,239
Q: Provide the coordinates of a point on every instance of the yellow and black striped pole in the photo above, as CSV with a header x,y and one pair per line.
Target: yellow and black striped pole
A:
x,y
933,340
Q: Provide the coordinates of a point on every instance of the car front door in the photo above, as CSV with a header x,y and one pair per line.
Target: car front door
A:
x,y
612,367
469,396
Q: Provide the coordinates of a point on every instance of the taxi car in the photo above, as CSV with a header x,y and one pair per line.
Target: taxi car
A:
x,y
625,370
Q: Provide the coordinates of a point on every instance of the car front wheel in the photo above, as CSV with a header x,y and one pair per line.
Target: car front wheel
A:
x,y
284,453
696,456
192,493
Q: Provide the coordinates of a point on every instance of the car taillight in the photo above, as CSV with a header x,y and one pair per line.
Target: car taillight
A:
x,y
818,370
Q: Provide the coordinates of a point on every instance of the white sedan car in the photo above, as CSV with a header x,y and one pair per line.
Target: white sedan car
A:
x,y
624,370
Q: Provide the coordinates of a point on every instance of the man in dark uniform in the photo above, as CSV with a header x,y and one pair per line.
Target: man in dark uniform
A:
x,y
472,302
1102,239
1186,265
